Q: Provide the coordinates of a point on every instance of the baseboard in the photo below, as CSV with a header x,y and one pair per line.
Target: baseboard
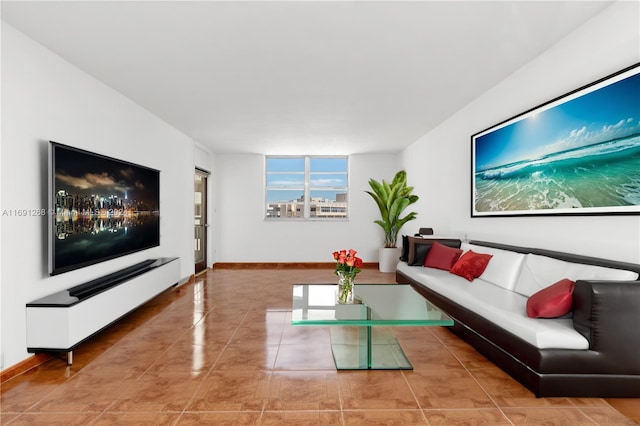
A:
x,y
284,265
24,366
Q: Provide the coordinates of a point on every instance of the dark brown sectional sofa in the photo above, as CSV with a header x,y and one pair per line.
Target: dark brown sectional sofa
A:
x,y
606,313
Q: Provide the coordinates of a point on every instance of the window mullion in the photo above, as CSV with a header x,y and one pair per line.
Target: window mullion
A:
x,y
307,201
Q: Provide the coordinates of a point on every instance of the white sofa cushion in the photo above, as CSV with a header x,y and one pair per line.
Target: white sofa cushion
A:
x,y
505,308
539,272
503,268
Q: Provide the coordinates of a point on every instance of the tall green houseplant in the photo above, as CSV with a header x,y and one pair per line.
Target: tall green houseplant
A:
x,y
392,199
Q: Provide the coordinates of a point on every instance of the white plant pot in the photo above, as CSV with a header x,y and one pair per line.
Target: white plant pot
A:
x,y
388,259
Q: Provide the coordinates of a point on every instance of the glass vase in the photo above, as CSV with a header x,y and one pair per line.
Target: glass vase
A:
x,y
345,288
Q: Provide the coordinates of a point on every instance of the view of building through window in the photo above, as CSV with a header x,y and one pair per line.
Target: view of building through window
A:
x,y
306,187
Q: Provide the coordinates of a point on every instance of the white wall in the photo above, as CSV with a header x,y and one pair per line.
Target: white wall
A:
x,y
441,159
244,236
45,98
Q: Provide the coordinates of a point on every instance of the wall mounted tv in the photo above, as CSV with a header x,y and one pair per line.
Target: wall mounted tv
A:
x,y
101,208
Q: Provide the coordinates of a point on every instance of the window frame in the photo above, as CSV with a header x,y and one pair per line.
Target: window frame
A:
x,y
306,187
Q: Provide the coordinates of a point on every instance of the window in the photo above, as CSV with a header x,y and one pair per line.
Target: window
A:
x,y
306,187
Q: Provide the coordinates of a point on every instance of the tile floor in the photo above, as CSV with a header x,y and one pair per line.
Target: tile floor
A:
x,y
222,351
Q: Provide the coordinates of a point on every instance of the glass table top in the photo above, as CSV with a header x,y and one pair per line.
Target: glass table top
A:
x,y
376,304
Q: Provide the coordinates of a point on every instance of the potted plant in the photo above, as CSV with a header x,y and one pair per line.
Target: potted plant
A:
x,y
392,199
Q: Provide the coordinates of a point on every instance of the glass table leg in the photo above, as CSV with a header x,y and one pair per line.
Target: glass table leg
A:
x,y
367,348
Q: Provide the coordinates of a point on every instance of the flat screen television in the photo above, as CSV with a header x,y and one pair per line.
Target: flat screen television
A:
x,y
100,208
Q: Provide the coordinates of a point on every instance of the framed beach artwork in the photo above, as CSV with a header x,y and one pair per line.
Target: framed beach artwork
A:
x,y
576,154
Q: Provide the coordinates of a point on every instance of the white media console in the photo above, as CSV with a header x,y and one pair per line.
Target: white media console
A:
x,y
59,322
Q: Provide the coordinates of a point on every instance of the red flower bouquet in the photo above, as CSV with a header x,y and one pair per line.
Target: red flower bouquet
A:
x,y
347,267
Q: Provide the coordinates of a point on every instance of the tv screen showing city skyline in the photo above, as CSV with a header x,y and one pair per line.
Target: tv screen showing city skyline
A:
x,y
101,208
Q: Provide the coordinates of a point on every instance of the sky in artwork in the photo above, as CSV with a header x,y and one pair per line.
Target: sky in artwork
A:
x,y
579,120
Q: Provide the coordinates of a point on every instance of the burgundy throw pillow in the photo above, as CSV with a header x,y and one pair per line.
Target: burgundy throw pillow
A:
x,y
553,301
471,265
441,256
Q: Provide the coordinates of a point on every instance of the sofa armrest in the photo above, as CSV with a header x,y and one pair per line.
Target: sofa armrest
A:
x,y
607,314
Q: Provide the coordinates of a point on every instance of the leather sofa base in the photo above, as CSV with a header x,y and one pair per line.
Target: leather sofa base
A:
x,y
523,361
552,385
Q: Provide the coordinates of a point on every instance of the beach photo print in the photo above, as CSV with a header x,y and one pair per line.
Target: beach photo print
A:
x,y
576,154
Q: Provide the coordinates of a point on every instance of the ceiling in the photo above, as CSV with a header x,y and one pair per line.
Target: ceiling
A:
x,y
298,77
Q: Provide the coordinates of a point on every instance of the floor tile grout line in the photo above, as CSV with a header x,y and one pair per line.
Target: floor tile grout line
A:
x,y
201,290
415,397
67,380
340,397
580,408
177,339
275,299
500,408
475,379
213,364
266,399
443,344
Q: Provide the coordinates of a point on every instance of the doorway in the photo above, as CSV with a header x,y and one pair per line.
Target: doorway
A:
x,y
200,220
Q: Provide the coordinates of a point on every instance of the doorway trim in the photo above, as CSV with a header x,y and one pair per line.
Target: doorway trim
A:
x,y
200,219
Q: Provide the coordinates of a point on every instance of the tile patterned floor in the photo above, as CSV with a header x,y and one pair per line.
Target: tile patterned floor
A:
x,y
222,351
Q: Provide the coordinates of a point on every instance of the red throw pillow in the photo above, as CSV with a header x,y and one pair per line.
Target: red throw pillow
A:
x,y
471,265
553,301
441,256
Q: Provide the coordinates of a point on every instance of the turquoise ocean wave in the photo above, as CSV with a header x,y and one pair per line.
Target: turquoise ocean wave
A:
x,y
606,174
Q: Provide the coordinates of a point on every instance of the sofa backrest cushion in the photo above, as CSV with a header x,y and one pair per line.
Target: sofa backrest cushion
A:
x,y
404,253
418,249
539,272
503,268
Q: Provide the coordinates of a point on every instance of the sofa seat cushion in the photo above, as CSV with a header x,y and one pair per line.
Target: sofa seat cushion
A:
x,y
539,272
506,309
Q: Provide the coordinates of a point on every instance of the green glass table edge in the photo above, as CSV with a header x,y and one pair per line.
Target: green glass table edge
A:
x,y
363,353
358,323
445,322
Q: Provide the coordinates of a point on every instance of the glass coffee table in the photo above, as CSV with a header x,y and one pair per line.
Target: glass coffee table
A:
x,y
358,341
